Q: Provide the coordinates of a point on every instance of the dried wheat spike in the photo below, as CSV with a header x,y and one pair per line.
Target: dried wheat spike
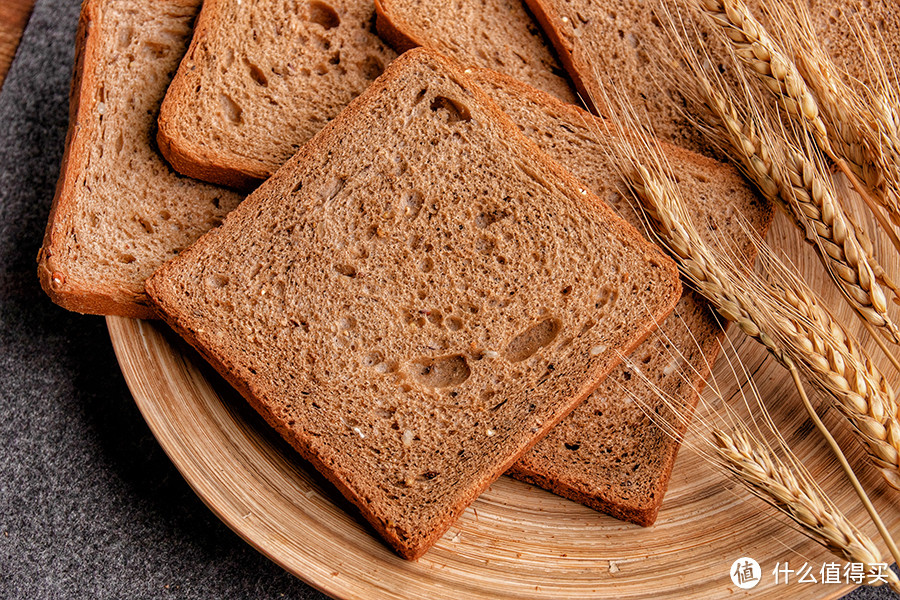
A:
x,y
768,477
761,54
843,111
837,364
786,318
785,175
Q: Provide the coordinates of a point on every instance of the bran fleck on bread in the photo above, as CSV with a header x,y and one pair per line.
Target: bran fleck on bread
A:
x,y
416,297
493,34
608,454
260,79
119,210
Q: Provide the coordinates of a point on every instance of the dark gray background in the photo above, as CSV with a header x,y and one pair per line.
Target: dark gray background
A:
x,y
90,507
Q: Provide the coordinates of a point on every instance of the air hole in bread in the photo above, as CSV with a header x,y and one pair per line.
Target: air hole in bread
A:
x,y
127,258
484,245
148,227
414,201
420,96
257,75
345,270
426,264
323,14
371,67
218,281
456,111
333,188
441,371
231,109
125,37
454,324
488,218
527,343
573,447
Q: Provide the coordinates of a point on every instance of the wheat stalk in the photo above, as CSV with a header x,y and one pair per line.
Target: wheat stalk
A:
x,y
727,290
785,485
787,319
763,56
882,102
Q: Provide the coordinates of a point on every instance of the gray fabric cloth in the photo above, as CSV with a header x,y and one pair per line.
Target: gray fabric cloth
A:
x,y
90,507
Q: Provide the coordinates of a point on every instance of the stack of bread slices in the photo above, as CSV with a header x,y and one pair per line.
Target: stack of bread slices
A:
x,y
435,274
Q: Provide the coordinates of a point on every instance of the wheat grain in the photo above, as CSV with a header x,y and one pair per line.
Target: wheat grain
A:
x,y
784,174
787,318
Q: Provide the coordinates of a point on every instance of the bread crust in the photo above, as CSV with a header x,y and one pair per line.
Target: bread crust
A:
x,y
304,444
564,50
392,29
63,288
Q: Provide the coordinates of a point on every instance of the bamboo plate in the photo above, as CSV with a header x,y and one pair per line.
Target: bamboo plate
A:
x,y
516,541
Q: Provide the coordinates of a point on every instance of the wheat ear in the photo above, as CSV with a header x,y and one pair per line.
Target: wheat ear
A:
x,y
851,124
785,175
882,100
720,285
801,501
762,55
787,486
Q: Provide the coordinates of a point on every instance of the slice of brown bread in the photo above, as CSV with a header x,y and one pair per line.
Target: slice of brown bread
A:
x,y
495,34
120,211
260,79
607,453
416,297
622,43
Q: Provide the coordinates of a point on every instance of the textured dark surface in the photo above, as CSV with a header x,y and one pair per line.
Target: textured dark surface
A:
x,y
90,507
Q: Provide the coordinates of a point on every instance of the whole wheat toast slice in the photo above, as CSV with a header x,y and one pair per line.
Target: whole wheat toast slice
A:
x,y
416,297
494,34
608,454
120,211
260,79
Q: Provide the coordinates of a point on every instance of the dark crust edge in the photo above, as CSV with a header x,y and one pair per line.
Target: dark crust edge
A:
x,y
186,156
392,29
640,512
413,548
548,20
72,293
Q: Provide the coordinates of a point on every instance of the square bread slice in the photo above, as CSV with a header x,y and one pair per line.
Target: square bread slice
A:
x,y
260,79
608,454
493,34
416,297
120,211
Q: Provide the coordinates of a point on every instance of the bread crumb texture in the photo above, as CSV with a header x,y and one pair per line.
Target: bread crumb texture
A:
x,y
494,34
608,453
261,78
